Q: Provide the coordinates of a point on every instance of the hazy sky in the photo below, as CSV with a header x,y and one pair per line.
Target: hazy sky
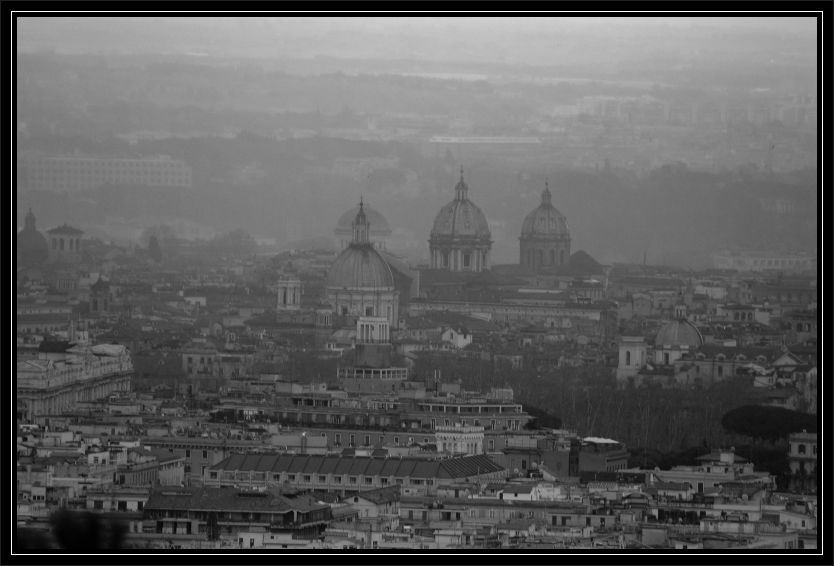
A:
x,y
537,40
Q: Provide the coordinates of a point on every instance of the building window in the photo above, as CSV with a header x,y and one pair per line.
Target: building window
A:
x,y
353,479
306,478
628,358
801,449
467,259
322,479
188,453
205,454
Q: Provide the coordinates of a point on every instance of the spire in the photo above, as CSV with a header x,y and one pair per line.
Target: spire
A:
x,y
29,222
461,188
361,226
546,194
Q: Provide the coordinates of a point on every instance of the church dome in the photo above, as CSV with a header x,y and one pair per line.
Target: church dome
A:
x,y
32,248
679,333
545,220
379,226
461,218
360,265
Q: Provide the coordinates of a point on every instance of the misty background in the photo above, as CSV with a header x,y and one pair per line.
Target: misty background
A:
x,y
661,138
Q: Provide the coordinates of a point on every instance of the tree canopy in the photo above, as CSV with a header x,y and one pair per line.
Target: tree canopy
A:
x,y
768,423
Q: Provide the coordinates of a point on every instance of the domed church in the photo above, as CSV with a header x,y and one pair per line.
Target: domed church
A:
x,y
460,238
545,237
360,282
32,247
379,234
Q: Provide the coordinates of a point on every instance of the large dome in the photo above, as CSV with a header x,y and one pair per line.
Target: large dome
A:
x,y
679,333
379,226
360,266
545,220
32,248
461,218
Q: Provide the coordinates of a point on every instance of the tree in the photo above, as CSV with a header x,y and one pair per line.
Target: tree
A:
x,y
768,423
85,531
154,250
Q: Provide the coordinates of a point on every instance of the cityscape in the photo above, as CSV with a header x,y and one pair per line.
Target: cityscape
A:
x,y
297,285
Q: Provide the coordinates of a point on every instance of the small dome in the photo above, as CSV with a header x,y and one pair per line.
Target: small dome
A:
x,y
100,285
379,226
545,220
461,217
360,266
679,333
32,247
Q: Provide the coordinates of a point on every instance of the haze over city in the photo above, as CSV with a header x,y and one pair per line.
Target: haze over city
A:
x,y
413,282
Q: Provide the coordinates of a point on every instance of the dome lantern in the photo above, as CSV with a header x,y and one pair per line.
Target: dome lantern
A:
x,y
361,226
546,198
461,189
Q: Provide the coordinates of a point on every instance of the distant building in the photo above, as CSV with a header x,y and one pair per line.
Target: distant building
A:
x,y
379,233
458,439
417,476
76,173
602,455
228,511
289,294
57,381
360,282
545,238
65,243
764,261
802,460
372,371
460,238
675,338
31,246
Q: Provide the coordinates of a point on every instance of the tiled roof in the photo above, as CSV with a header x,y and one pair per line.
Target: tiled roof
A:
x,y
671,485
360,465
382,495
228,499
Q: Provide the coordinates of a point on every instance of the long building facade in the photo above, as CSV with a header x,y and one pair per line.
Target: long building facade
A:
x,y
48,387
76,173
416,476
